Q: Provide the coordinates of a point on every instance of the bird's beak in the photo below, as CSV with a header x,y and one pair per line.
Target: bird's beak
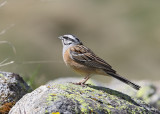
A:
x,y
60,37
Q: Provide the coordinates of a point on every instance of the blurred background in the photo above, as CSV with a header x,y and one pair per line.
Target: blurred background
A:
x,y
124,33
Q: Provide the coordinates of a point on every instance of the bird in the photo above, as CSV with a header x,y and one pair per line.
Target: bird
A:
x,y
85,62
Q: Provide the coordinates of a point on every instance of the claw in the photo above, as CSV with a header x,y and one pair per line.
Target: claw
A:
x,y
79,83
82,83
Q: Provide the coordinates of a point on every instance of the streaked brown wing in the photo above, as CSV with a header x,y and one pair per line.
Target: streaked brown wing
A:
x,y
85,56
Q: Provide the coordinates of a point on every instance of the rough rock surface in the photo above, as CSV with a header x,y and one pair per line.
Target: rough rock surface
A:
x,y
68,98
12,88
149,92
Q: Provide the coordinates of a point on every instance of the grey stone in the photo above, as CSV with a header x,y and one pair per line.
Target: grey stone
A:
x,y
68,98
149,92
12,88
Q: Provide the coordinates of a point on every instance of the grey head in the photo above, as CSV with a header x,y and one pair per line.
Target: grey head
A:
x,y
68,41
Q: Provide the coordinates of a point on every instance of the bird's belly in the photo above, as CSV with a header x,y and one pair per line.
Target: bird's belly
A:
x,y
81,69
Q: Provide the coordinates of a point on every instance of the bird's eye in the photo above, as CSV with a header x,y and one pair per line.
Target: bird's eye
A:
x,y
65,37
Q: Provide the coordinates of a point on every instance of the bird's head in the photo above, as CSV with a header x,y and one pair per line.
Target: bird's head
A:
x,y
70,40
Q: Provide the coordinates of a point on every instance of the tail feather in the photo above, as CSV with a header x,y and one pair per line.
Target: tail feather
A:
x,y
135,86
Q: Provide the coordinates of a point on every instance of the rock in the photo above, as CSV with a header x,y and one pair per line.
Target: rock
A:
x,y
68,98
12,88
149,92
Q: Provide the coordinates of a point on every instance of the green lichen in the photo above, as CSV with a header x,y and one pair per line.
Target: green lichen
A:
x,y
1,75
46,111
51,97
158,104
92,96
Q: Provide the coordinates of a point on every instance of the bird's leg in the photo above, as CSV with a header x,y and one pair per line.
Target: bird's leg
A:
x,y
82,83
84,80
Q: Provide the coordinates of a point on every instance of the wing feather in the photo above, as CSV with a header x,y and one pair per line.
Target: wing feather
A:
x,y
85,56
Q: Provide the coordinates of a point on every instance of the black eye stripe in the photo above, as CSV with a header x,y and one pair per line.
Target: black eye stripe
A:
x,y
67,38
71,39
77,39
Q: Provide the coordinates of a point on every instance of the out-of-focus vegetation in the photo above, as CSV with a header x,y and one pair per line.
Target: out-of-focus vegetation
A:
x,y
124,33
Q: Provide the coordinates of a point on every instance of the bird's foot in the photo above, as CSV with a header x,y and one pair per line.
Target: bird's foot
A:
x,y
79,83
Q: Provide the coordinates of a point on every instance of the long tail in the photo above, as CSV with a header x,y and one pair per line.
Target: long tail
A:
x,y
135,86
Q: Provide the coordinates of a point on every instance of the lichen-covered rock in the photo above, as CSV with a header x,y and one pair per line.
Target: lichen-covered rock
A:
x,y
68,98
12,88
149,92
